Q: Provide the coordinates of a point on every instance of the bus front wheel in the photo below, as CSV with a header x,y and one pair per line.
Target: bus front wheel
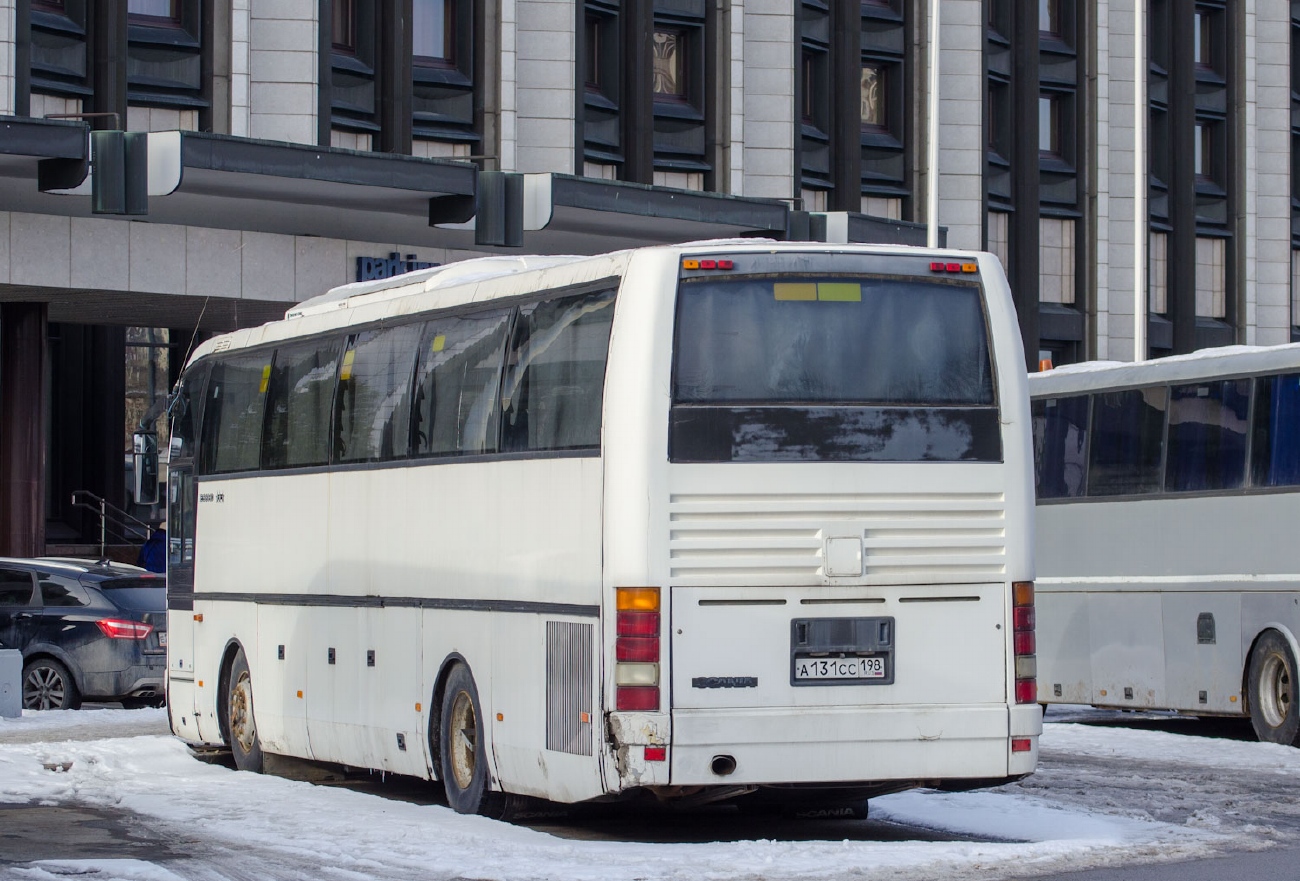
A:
x,y
463,753
1274,708
244,742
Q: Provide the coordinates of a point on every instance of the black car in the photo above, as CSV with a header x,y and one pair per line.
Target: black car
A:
x,y
92,631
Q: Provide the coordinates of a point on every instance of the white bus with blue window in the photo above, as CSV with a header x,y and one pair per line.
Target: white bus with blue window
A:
x,y
730,520
1169,574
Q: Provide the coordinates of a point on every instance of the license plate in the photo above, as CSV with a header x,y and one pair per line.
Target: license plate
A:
x,y
162,638
839,668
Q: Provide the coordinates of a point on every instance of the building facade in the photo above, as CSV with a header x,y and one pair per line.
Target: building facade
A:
x,y
172,168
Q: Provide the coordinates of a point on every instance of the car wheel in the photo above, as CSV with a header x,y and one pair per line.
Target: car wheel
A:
x,y
1274,708
242,727
463,753
47,685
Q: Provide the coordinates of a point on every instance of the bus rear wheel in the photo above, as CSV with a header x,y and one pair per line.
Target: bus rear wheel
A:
x,y
463,753
1274,707
244,743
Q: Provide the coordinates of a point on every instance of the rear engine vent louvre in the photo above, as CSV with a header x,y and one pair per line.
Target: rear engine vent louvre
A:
x,y
768,538
569,687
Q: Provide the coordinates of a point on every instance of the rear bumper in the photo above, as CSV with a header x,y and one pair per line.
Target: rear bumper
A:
x,y
145,679
843,745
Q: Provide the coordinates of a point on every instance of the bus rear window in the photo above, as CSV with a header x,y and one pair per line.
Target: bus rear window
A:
x,y
832,340
848,367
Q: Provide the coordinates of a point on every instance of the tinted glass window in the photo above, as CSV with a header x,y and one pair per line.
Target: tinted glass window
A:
x,y
1275,456
185,411
136,594
299,396
1207,436
1125,448
456,384
57,591
373,410
1060,446
233,410
553,390
842,340
16,587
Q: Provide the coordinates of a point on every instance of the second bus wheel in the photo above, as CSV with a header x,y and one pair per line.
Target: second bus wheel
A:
x,y
1274,708
242,728
463,753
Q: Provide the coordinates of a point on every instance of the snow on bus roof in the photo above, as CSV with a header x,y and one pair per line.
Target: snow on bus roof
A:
x,y
1220,360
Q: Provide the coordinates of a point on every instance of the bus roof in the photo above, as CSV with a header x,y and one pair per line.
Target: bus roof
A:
x,y
483,279
1223,361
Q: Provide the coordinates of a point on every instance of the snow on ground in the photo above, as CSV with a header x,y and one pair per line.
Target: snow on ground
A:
x,y
282,829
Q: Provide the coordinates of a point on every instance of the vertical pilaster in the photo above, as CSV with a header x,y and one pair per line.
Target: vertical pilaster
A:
x,y
1024,225
1182,184
22,428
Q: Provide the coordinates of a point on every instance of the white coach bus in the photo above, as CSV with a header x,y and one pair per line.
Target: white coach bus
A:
x,y
1169,571
712,521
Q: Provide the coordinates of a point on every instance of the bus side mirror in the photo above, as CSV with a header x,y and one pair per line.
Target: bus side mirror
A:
x,y
144,448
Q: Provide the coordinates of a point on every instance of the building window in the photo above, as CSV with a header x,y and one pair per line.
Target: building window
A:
x,y
1295,288
344,13
443,88
164,10
1049,17
884,100
1158,273
594,79
164,53
433,22
874,97
1203,151
998,235
1049,126
600,106
1211,277
669,80
680,104
1057,268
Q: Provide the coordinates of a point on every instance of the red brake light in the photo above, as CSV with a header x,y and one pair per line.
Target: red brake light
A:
x,y
631,623
117,628
1023,618
1026,644
636,698
638,649
1026,691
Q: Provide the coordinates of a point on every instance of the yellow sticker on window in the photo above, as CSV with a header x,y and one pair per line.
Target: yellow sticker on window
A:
x,y
438,342
785,290
266,379
345,372
840,292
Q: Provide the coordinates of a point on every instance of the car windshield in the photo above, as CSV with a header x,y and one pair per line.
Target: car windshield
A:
x,y
137,594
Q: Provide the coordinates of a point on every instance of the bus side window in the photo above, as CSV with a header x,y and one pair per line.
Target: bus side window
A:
x,y
298,400
1060,436
373,407
1207,436
1275,444
232,414
554,384
456,383
1125,445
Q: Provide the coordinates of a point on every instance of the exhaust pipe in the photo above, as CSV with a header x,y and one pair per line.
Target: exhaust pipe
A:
x,y
723,765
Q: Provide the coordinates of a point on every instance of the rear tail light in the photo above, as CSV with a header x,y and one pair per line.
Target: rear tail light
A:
x,y
1022,619
636,649
118,628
